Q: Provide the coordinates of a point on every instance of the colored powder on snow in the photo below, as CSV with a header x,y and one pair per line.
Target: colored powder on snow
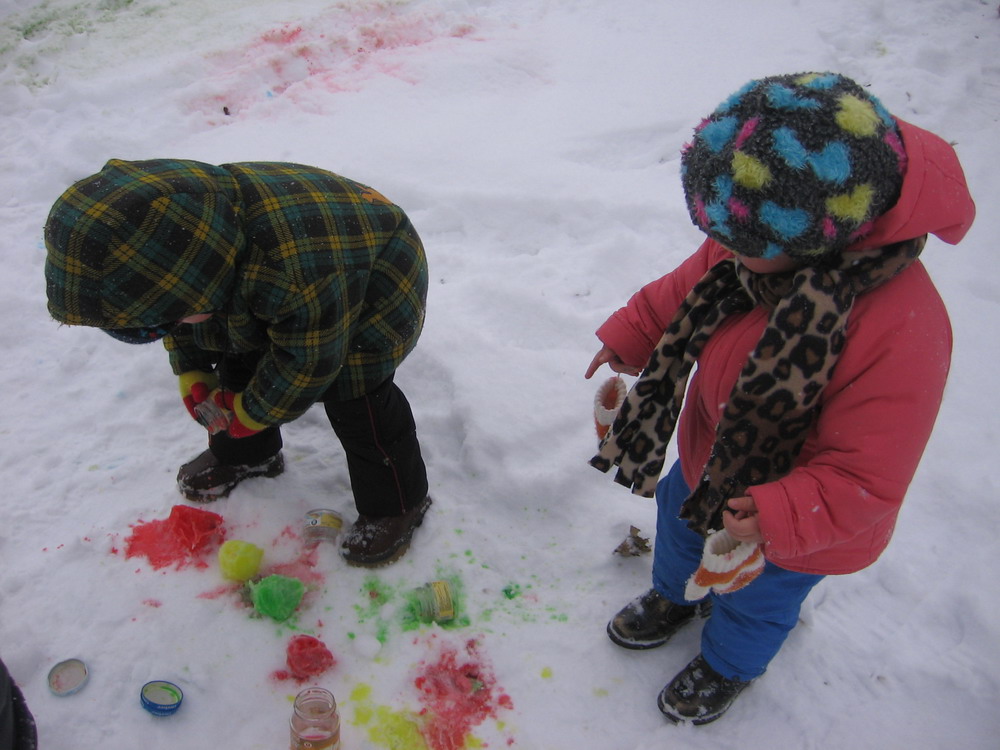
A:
x,y
413,617
375,595
338,51
184,537
303,567
276,596
220,591
308,657
458,693
397,730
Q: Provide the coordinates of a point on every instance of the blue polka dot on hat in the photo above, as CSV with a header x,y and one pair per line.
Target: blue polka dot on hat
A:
x,y
796,164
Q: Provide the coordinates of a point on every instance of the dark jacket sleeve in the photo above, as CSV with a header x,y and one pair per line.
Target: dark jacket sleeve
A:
x,y
309,338
17,725
633,331
184,352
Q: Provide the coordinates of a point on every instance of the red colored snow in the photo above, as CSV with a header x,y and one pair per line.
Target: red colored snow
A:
x,y
152,602
183,538
284,35
287,533
303,568
220,591
337,51
458,692
308,657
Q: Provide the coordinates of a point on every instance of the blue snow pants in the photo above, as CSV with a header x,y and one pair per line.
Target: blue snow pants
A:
x,y
747,627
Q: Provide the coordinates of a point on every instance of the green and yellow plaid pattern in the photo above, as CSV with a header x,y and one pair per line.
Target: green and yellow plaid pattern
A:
x,y
321,275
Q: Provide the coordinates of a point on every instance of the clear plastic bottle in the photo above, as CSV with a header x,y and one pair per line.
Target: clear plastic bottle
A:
x,y
315,723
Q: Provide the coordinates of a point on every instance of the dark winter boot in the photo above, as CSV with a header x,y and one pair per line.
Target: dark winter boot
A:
x,y
375,541
651,620
205,478
699,694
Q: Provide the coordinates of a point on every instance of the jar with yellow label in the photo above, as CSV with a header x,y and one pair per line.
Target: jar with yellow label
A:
x,y
434,602
321,525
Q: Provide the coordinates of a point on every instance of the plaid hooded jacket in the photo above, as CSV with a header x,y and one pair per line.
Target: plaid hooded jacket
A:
x,y
320,275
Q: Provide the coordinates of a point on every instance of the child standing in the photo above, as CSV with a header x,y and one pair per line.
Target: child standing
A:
x,y
822,349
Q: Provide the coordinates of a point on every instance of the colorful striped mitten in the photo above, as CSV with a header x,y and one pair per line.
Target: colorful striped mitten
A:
x,y
726,566
609,399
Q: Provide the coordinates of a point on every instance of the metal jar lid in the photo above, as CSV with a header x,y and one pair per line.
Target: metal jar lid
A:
x,y
68,677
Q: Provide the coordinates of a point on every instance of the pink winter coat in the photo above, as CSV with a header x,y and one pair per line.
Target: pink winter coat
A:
x,y
835,512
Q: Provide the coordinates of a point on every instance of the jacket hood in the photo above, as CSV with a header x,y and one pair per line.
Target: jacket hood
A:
x,y
934,198
143,243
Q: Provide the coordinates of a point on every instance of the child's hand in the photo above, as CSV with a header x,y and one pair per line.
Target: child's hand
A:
x,y
241,425
740,520
612,360
195,387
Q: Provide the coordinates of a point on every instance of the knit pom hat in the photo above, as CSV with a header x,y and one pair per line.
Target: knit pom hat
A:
x,y
796,164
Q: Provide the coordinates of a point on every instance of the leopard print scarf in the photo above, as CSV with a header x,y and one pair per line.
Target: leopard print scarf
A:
x,y
776,397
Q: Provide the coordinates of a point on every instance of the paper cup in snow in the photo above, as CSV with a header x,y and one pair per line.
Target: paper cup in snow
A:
x,y
609,399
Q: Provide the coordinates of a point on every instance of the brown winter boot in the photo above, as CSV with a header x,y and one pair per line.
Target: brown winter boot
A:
x,y
376,541
699,694
205,479
651,620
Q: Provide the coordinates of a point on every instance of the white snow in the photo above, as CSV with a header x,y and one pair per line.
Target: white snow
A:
x,y
535,147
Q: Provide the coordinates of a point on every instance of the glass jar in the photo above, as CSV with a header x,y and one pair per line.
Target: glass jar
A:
x,y
321,525
434,602
315,723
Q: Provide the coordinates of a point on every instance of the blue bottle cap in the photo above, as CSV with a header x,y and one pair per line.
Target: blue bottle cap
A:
x,y
161,698
68,677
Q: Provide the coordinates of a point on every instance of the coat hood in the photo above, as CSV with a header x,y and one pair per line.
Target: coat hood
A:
x,y
143,243
934,198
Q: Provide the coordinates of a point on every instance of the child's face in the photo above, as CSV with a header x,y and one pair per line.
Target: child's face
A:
x,y
768,265
199,318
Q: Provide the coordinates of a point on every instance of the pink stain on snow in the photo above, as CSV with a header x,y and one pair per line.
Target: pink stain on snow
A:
x,y
336,51
302,567
287,533
220,591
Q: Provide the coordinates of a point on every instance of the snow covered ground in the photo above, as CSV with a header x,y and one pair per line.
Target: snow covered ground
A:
x,y
535,146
